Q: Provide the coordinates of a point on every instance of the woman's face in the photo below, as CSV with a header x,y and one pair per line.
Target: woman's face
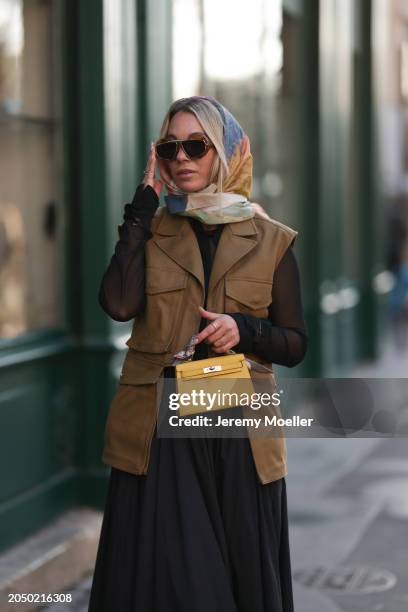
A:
x,y
189,174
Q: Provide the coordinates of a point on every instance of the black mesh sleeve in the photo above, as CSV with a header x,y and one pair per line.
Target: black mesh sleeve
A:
x,y
282,337
122,289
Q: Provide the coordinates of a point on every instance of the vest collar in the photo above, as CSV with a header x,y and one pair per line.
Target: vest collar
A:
x,y
236,241
175,236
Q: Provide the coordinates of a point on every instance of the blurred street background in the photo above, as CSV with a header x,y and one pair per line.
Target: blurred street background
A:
x,y
321,88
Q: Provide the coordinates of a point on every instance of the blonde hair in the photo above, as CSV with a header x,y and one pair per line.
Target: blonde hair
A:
x,y
212,123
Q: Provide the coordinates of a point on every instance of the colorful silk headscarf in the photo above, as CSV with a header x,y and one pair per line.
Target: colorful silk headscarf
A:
x,y
232,204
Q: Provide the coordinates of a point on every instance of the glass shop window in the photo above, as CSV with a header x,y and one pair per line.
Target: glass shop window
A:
x,y
245,55
31,241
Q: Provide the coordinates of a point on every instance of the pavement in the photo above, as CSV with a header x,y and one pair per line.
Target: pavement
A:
x,y
80,598
348,515
348,511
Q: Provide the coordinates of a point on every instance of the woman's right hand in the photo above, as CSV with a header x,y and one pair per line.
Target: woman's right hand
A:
x,y
149,178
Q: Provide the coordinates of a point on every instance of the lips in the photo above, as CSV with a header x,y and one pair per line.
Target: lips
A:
x,y
185,172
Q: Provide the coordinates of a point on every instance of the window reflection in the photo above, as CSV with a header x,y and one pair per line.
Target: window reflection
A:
x,y
11,45
187,47
242,39
30,241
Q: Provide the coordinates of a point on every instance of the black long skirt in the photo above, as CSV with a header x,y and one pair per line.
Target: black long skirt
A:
x,y
198,533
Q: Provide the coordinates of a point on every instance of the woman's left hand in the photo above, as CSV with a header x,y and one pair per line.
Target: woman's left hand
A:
x,y
222,333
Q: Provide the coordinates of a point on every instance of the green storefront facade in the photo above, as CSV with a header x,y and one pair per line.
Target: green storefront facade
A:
x,y
114,58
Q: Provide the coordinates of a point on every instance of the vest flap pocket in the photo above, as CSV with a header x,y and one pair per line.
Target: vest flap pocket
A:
x,y
137,370
155,329
250,292
162,280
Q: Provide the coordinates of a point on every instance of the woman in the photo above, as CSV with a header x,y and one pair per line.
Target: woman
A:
x,y
196,524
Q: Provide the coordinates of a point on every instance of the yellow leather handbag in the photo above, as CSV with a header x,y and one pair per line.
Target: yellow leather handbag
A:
x,y
225,378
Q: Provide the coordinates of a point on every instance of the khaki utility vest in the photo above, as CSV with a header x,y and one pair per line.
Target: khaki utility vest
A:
x,y
241,280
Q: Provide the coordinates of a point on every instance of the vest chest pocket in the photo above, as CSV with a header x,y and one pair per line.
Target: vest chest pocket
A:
x,y
248,295
154,330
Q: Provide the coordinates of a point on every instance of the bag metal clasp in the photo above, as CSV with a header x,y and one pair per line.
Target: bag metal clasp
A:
x,y
213,368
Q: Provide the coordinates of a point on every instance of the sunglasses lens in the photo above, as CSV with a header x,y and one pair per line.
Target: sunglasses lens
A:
x,y
166,150
194,148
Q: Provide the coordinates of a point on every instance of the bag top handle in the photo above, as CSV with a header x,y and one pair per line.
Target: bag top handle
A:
x,y
187,353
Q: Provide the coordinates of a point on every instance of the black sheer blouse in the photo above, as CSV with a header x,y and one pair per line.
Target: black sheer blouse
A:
x,y
280,339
